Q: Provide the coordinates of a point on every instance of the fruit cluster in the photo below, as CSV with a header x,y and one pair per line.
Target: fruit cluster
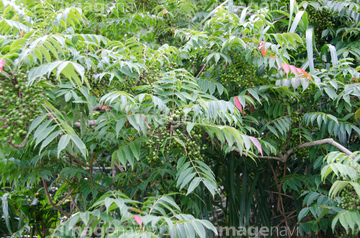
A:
x,y
239,75
147,5
20,105
303,153
152,75
173,140
294,138
296,118
321,20
349,199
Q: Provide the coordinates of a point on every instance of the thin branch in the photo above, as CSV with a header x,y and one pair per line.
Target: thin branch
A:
x,y
120,167
279,18
20,145
270,157
140,78
50,201
280,201
91,164
76,159
68,195
99,108
202,69
318,142
113,175
73,201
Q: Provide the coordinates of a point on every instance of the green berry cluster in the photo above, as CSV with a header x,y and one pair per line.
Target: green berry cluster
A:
x,y
151,76
349,199
101,86
302,153
321,20
296,118
147,5
175,141
239,75
20,104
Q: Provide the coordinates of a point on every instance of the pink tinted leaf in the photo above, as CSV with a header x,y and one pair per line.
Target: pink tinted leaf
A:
x,y
257,144
277,61
263,50
300,70
138,220
2,64
238,104
293,70
287,69
165,11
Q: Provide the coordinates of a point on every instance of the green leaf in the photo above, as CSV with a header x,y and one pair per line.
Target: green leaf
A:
x,y
79,144
272,129
189,127
122,157
5,209
63,142
119,125
35,123
49,139
193,185
135,148
357,114
303,213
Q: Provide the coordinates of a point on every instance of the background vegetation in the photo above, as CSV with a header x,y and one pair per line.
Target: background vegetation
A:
x,y
168,118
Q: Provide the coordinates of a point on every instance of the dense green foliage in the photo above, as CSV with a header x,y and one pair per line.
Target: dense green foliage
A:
x,y
169,118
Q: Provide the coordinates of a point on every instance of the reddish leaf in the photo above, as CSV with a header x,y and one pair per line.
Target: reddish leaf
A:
x,y
238,104
261,46
165,11
147,125
263,50
272,56
2,64
300,70
293,70
138,220
287,69
257,144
